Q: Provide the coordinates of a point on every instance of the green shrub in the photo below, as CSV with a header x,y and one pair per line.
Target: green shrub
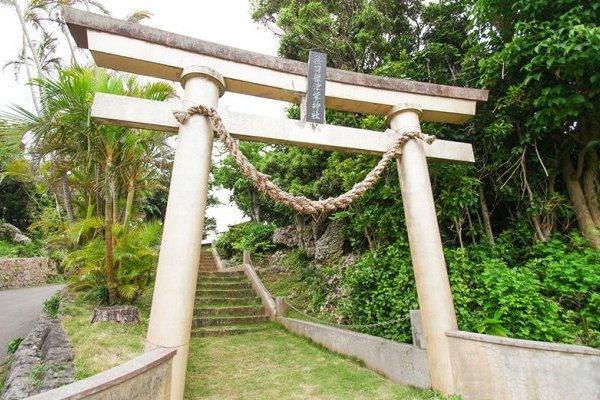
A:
x,y
135,258
13,345
52,305
9,250
548,292
569,272
252,236
380,288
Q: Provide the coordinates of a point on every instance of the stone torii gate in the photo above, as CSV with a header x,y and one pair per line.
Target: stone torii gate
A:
x,y
206,70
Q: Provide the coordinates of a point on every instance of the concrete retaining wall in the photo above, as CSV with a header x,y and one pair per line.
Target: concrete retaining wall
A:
x,y
491,367
267,300
400,362
23,272
146,377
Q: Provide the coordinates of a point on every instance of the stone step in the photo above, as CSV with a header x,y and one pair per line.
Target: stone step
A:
x,y
219,274
228,330
238,301
229,321
229,311
242,284
218,281
225,292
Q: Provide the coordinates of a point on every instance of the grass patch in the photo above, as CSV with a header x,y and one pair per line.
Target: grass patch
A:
x,y
268,364
4,370
100,346
275,364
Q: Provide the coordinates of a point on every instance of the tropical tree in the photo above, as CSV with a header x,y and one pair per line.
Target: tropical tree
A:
x,y
108,166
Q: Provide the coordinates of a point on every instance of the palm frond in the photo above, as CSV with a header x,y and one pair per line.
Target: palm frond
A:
x,y
138,15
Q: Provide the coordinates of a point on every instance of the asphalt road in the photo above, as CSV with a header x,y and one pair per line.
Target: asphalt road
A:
x,y
19,308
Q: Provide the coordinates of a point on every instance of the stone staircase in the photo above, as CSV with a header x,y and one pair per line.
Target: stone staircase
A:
x,y
225,302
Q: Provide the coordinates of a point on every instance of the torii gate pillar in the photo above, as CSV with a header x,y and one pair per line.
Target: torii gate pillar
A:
x,y
175,287
429,266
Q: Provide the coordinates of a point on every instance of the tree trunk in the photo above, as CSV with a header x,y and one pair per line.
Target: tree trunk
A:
x,y
129,203
589,184
255,206
535,219
34,95
63,28
458,228
578,200
369,239
487,223
471,227
98,194
108,238
118,314
66,192
550,219
34,55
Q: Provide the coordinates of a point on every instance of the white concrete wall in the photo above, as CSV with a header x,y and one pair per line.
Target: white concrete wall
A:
x,y
491,367
399,362
145,377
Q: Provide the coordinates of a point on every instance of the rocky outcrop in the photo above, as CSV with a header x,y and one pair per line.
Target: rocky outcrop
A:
x,y
330,245
296,236
13,234
286,236
23,272
43,361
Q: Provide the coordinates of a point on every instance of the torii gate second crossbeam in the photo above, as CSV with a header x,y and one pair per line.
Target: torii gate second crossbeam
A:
x,y
206,70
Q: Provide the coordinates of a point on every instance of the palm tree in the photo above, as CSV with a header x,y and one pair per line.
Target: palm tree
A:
x,y
26,33
115,162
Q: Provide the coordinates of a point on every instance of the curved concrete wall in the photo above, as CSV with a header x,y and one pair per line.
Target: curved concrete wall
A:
x,y
498,368
146,377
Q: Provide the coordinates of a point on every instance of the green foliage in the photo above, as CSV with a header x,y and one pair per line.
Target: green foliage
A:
x,y
547,293
32,249
135,256
252,236
380,288
52,305
569,272
13,345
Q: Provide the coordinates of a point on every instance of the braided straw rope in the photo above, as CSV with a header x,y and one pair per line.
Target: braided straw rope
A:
x,y
299,204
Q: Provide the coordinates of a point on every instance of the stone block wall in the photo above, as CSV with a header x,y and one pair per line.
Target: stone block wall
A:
x,y
43,361
23,272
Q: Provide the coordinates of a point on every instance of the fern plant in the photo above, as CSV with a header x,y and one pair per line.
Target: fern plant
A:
x,y
135,256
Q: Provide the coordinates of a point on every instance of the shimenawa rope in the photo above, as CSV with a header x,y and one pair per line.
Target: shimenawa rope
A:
x,y
299,204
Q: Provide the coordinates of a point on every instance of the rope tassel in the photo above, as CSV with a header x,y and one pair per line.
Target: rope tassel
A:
x,y
299,204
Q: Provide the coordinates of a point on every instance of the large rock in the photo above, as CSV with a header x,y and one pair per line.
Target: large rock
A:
x,y
331,244
286,236
13,234
43,361
296,236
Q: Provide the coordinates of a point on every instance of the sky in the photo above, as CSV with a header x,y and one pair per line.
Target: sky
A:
x,y
225,21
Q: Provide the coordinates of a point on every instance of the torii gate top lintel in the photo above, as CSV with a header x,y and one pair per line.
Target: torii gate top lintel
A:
x,y
139,49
